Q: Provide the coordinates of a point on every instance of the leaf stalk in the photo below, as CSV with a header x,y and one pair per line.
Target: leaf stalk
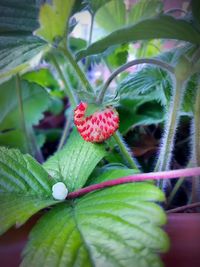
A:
x,y
124,150
77,68
136,178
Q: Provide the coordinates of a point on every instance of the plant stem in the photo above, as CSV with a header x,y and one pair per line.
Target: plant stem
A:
x,y
137,177
173,115
197,127
196,145
65,131
77,69
175,10
67,87
21,112
174,191
185,207
34,146
124,150
90,39
156,62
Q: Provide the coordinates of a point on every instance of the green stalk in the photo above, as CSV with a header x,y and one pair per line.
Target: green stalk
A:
x,y
197,127
196,146
21,112
173,116
34,146
90,39
174,191
124,150
77,69
67,87
65,131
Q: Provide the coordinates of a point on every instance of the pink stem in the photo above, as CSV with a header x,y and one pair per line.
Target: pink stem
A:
x,y
136,177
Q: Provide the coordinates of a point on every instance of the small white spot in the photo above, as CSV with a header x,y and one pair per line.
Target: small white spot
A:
x,y
59,191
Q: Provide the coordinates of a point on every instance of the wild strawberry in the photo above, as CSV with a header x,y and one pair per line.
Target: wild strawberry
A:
x,y
97,127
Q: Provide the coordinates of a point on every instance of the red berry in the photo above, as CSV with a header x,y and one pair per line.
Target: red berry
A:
x,y
97,127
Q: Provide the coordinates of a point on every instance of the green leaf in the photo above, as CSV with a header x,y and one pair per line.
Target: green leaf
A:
x,y
74,163
144,82
141,10
95,5
77,44
18,54
35,101
54,19
118,56
146,113
162,27
118,226
25,188
18,48
18,15
14,139
112,15
43,77
144,9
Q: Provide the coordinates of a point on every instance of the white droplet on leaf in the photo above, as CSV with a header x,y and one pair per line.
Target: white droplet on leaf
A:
x,y
59,191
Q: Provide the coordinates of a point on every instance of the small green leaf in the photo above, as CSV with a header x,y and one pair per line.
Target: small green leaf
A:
x,y
162,27
25,188
43,77
146,113
118,226
54,19
142,83
118,56
77,44
74,163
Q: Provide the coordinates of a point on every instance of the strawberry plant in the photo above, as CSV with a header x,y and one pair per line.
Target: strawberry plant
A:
x,y
99,206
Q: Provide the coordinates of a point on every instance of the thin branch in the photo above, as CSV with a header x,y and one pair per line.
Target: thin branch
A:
x,y
90,40
174,191
65,131
67,88
173,117
196,144
183,208
81,75
172,10
124,150
35,147
137,177
21,112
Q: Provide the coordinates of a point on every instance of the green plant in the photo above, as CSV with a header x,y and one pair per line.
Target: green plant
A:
x,y
107,219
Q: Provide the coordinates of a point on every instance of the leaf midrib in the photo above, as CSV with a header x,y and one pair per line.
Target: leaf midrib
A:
x,y
87,246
